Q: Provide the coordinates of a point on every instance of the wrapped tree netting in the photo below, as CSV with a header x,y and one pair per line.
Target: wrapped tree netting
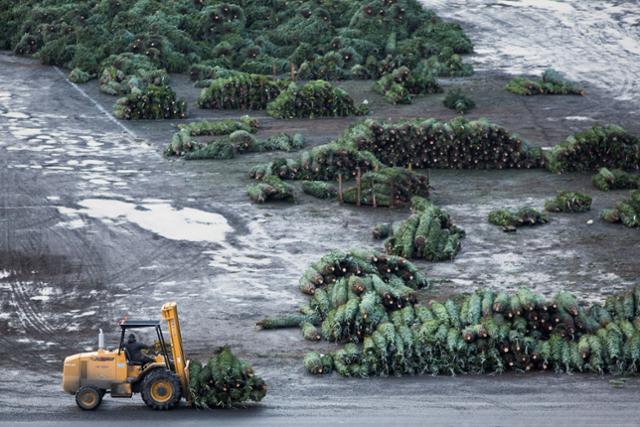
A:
x,y
428,233
458,101
319,189
368,302
322,163
626,212
569,201
551,83
607,146
510,219
457,144
242,92
400,86
271,188
615,179
315,99
224,381
154,102
387,187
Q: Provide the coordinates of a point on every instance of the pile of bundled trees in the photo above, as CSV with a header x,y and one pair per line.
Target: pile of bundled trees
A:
x,y
510,220
615,179
401,85
154,102
351,293
387,187
123,73
458,101
237,139
428,234
271,188
315,99
183,141
241,92
458,144
607,146
322,163
569,202
327,40
551,83
368,302
221,127
240,142
627,212
224,381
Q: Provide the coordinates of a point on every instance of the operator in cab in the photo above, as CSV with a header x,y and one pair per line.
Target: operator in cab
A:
x,y
134,351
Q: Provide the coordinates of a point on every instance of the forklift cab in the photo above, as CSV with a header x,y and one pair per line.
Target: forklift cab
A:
x,y
141,324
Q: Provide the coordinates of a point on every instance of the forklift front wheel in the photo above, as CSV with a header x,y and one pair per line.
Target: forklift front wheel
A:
x,y
88,398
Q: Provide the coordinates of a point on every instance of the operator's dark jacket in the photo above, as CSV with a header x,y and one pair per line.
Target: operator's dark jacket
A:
x,y
135,352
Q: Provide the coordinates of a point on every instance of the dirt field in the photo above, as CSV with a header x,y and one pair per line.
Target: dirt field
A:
x,y
96,224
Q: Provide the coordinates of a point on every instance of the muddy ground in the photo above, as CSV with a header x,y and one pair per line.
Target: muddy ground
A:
x,y
96,224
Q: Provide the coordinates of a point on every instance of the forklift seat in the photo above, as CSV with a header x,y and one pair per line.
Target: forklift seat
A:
x,y
129,361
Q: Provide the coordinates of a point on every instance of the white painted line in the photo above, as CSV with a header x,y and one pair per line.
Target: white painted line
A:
x,y
98,106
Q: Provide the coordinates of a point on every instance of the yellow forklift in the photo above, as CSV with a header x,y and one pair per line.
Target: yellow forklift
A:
x,y
162,382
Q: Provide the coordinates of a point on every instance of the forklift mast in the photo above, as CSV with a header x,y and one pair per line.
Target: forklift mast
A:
x,y
170,314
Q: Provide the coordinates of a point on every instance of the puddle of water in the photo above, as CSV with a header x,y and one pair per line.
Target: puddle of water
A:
x,y
158,217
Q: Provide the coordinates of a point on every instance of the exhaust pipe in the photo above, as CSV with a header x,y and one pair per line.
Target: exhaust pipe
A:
x,y
100,340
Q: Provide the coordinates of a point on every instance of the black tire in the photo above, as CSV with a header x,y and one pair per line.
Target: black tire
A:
x,y
88,398
161,389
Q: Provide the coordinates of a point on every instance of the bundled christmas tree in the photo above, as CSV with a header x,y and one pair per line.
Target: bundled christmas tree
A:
x,y
224,381
627,212
242,92
120,74
458,101
459,144
551,83
319,189
154,102
78,76
607,146
271,188
569,201
428,233
315,99
400,86
221,127
322,163
387,187
509,219
615,179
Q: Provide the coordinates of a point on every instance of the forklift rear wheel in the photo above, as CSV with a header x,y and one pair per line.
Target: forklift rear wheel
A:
x,y
161,389
88,398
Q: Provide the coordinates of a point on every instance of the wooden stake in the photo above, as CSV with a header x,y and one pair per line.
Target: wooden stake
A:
x,y
373,197
293,71
340,188
358,176
273,70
